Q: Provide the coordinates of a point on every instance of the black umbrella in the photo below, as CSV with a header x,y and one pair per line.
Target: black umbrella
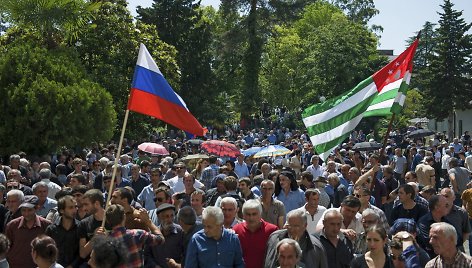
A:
x,y
420,133
366,146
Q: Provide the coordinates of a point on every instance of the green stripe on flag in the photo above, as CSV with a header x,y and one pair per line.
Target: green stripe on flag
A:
x,y
341,118
321,148
329,104
385,96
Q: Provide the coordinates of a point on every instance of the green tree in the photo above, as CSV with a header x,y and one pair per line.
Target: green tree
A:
x,y
109,48
188,28
322,54
49,101
360,11
449,73
55,20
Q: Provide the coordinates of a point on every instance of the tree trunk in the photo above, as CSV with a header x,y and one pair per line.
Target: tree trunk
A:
x,y
451,125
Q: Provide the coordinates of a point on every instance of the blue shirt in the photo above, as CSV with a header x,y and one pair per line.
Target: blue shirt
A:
x,y
206,252
294,199
208,174
241,169
48,205
147,197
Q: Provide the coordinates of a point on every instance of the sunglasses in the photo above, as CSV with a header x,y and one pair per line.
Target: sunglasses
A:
x,y
13,187
158,199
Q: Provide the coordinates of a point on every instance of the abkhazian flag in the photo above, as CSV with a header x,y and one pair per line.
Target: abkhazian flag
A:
x,y
152,95
330,122
392,97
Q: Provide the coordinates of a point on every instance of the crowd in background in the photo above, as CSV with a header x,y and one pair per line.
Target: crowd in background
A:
x,y
408,207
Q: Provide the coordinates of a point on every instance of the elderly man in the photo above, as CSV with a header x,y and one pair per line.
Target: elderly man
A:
x,y
352,220
438,209
312,209
457,217
443,239
241,168
214,245
320,184
315,167
364,195
253,233
296,228
187,219
53,188
21,231
273,211
339,190
173,247
45,204
14,199
230,209
338,248
288,253
370,218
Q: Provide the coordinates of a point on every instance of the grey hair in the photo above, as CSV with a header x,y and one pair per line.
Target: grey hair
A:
x,y
355,170
17,193
332,212
45,173
14,157
414,185
294,244
39,184
252,204
214,212
24,162
369,211
297,214
229,200
447,229
333,176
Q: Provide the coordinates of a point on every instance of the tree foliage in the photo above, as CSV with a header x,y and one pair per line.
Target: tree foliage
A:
x,y
322,54
55,20
49,101
109,47
448,84
186,26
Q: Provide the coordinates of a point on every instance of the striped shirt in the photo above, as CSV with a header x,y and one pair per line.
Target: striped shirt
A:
x,y
135,239
460,261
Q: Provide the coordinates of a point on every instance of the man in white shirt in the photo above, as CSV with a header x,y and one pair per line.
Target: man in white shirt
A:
x,y
177,182
312,210
352,219
53,188
315,168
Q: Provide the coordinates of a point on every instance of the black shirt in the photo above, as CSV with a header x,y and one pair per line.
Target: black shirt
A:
x,y
67,242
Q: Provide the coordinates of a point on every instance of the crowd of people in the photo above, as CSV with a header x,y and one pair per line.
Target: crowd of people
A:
x,y
408,207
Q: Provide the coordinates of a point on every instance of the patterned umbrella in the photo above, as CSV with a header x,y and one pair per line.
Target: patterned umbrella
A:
x,y
153,148
220,148
251,151
195,156
272,150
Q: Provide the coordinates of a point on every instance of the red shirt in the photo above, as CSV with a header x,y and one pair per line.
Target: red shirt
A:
x,y
254,245
20,237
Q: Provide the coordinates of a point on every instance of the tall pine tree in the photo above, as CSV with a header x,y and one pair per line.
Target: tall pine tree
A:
x,y
449,81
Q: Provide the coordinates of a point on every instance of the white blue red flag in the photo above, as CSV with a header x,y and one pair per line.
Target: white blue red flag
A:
x,y
152,95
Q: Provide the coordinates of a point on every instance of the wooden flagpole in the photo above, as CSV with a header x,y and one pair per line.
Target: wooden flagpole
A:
x,y
115,165
382,151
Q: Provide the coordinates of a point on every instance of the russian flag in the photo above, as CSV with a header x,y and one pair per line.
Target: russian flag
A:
x,y
152,95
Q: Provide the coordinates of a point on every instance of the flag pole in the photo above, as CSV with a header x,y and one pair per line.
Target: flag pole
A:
x,y
115,165
382,151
